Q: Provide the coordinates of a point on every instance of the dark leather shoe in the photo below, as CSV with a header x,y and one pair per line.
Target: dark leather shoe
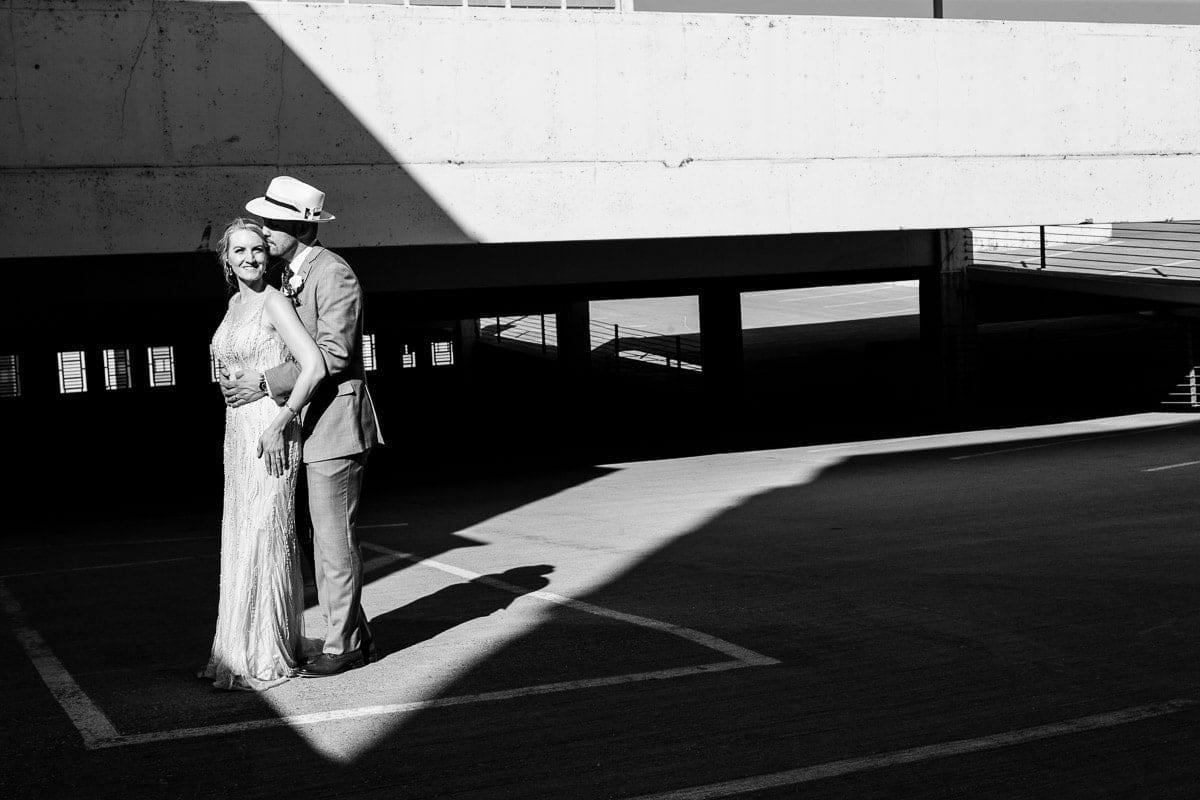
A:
x,y
327,664
367,648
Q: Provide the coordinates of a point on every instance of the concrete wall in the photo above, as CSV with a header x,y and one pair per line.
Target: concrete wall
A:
x,y
132,127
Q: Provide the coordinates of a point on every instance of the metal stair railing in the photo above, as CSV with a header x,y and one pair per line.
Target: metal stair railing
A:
x,y
635,348
613,346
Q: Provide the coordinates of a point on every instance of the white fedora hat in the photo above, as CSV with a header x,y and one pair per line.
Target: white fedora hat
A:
x,y
288,198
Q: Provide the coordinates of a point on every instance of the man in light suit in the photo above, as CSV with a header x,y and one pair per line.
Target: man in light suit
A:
x,y
339,427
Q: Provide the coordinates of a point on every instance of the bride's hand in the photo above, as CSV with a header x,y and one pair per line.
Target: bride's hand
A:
x,y
273,449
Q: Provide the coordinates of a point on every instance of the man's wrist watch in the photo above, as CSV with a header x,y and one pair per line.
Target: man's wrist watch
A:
x,y
262,383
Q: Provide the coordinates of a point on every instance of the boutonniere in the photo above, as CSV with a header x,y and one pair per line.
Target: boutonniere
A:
x,y
293,286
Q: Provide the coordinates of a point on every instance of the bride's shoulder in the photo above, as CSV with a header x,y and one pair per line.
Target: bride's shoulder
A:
x,y
276,301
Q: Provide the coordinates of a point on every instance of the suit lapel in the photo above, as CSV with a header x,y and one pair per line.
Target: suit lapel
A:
x,y
308,259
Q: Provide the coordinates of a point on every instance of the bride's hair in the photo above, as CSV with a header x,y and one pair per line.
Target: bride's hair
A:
x,y
222,248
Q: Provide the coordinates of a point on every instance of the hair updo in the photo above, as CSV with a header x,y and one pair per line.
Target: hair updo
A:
x,y
222,248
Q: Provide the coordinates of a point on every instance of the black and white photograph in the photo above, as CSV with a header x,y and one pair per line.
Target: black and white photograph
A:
x,y
600,399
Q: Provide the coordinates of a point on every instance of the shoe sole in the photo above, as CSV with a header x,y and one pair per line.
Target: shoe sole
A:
x,y
302,674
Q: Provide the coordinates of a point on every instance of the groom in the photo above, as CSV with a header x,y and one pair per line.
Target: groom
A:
x,y
339,426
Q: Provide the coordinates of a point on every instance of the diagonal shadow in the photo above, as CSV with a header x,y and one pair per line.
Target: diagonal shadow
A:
x,y
278,106
450,607
911,598
914,597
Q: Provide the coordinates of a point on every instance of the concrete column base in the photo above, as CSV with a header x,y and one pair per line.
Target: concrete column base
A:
x,y
721,338
948,328
573,320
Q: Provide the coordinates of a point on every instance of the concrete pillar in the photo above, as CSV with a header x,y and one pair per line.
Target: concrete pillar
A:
x,y
466,337
573,319
948,328
721,337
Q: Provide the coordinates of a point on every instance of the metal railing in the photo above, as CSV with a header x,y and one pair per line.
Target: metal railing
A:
x,y
628,347
1150,249
613,347
564,5
1186,395
529,332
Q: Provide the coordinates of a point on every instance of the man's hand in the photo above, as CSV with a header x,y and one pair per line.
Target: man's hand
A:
x,y
241,387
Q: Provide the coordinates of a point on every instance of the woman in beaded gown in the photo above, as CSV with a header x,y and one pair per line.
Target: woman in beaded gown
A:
x,y
259,633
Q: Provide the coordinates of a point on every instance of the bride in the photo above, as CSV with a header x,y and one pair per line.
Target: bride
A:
x,y
260,612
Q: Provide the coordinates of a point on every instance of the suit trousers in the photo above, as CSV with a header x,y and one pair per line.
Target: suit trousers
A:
x,y
334,488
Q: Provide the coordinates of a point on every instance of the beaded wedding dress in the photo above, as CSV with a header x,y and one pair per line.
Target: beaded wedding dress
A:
x,y
261,607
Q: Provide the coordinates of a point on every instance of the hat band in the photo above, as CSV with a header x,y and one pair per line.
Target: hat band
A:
x,y
270,199
308,212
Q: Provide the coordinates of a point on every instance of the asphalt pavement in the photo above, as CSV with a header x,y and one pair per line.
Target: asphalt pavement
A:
x,y
999,613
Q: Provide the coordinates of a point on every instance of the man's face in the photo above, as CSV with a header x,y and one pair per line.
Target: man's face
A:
x,y
281,235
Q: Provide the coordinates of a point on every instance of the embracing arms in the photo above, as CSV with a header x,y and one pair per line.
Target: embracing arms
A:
x,y
338,298
311,371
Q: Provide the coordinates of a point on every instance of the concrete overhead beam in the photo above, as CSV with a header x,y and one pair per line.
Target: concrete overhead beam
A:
x,y
135,126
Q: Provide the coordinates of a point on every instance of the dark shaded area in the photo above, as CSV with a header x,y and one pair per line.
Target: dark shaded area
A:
x,y
912,599
450,607
156,625
157,451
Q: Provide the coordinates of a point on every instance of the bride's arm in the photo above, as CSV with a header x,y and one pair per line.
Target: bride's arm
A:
x,y
282,315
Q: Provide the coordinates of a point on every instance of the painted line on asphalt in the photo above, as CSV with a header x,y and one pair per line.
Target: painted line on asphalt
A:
x,y
391,709
379,561
99,733
807,297
876,301
98,566
1172,466
58,545
748,657
897,758
93,725
1072,440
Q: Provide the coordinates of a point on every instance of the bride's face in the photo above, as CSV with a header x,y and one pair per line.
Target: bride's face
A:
x,y
247,255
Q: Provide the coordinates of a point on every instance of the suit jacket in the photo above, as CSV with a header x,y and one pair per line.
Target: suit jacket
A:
x,y
339,420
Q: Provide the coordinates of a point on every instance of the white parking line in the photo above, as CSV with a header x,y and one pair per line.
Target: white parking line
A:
x,y
98,732
906,300
98,566
1061,442
747,657
896,758
1172,466
91,722
807,296
392,709
74,545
